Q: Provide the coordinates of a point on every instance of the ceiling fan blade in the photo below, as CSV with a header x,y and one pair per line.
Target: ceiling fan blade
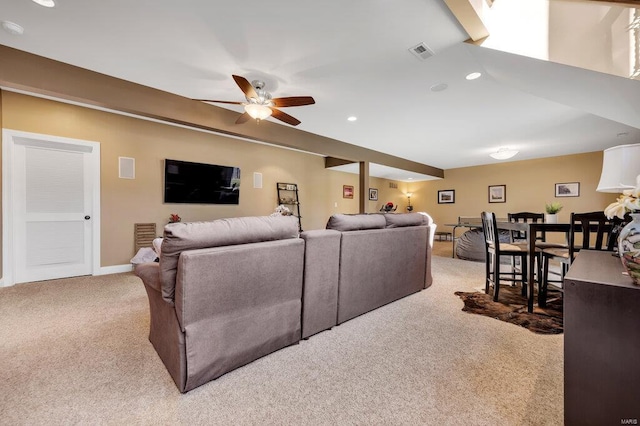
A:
x,y
243,118
282,116
245,86
293,101
220,102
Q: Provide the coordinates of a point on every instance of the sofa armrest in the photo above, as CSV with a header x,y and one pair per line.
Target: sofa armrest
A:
x,y
428,275
321,269
150,275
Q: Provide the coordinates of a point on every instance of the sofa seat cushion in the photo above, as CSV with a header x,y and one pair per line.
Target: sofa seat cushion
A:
x,y
180,236
356,222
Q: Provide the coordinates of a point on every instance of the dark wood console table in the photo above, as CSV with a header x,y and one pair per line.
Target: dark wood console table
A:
x,y
601,342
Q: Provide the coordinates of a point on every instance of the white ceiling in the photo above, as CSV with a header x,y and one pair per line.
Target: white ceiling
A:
x,y
353,58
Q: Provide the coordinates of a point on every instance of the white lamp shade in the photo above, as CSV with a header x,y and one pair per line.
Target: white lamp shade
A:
x,y
620,167
259,112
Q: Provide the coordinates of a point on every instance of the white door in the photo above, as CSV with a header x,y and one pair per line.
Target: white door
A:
x,y
52,210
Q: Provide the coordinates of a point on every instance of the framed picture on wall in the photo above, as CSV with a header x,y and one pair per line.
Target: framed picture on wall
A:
x,y
497,193
347,191
570,189
447,196
373,194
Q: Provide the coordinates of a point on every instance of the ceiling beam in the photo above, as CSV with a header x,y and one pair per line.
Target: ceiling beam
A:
x,y
37,75
468,18
334,162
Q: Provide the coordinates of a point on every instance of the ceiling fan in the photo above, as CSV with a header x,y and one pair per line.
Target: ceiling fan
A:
x,y
261,105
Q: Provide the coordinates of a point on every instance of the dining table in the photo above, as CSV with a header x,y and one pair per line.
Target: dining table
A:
x,y
532,230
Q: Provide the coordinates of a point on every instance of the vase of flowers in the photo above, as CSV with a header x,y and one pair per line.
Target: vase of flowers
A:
x,y
174,218
629,237
282,210
552,210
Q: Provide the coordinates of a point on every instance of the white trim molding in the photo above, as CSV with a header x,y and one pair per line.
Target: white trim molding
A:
x,y
115,269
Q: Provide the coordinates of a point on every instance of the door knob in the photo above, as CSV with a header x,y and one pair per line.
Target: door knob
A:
x,y
87,217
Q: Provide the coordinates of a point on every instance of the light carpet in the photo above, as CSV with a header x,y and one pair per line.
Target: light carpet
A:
x,y
75,351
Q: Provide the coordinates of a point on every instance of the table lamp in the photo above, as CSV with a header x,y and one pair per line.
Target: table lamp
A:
x,y
620,167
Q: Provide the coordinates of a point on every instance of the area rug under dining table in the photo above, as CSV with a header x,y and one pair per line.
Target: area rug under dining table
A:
x,y
512,307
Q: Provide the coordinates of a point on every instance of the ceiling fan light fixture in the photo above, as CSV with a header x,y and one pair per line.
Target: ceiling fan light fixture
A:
x,y
257,111
503,154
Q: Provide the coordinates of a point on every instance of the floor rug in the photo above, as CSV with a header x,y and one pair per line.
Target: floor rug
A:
x,y
512,307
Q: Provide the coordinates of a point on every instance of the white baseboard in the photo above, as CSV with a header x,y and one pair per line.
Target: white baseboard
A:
x,y
115,269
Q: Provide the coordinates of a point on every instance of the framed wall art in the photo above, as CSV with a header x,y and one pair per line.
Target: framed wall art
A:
x,y
373,194
570,189
447,196
347,191
497,193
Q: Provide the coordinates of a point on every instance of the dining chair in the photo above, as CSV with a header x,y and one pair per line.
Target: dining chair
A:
x,y
541,242
597,233
524,217
494,249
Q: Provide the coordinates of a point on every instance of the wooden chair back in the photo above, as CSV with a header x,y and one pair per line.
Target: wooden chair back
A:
x,y
525,217
489,228
598,232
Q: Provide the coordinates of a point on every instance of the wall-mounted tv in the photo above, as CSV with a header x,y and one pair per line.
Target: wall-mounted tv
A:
x,y
198,183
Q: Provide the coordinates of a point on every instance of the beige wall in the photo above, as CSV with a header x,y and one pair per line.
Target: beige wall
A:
x,y
125,202
530,185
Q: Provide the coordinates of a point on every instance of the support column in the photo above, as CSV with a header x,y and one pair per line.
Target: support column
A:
x,y
364,186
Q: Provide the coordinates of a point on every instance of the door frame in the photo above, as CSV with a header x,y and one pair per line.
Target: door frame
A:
x,y
9,137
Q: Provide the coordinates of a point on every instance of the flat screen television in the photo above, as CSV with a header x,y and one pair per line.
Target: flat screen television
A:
x,y
198,183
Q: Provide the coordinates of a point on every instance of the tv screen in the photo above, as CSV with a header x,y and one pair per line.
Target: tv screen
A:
x,y
198,183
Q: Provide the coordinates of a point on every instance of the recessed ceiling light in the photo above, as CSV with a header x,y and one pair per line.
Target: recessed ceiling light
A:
x,y
439,87
45,3
473,75
352,118
12,28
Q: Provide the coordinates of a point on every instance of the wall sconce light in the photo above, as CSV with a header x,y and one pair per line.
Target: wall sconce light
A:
x,y
409,207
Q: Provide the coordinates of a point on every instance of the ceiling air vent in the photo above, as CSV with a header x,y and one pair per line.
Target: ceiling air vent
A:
x,y
422,51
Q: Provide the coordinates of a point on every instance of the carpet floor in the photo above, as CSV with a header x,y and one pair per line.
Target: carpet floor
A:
x,y
75,351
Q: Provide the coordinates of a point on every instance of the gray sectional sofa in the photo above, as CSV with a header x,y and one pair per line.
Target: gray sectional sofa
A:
x,y
230,291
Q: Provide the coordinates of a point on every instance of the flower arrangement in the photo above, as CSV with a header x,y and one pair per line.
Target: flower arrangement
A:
x,y
553,208
282,210
629,201
174,218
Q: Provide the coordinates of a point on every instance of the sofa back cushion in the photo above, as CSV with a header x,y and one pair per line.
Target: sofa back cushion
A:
x,y
356,222
404,219
179,237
